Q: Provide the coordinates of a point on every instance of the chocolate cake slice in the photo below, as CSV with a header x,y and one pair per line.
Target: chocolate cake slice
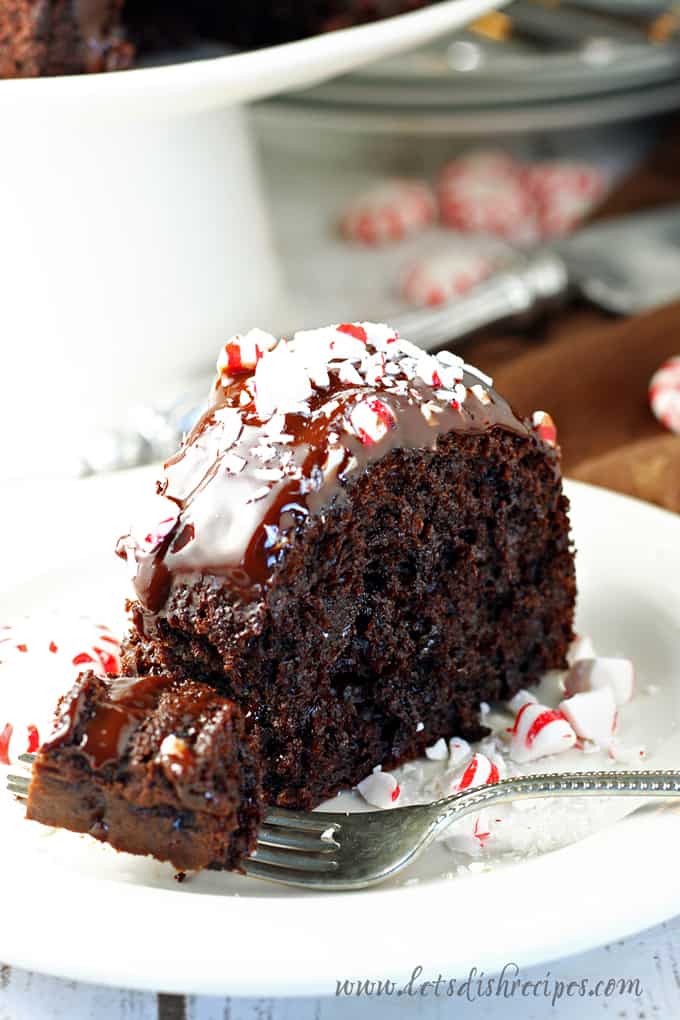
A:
x,y
359,543
44,37
154,766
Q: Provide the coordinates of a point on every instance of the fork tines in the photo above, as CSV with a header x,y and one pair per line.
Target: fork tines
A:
x,y
18,785
293,840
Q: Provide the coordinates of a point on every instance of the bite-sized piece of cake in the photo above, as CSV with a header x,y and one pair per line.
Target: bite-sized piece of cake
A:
x,y
151,765
358,543
43,37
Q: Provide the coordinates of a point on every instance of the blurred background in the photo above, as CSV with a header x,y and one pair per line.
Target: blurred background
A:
x,y
392,192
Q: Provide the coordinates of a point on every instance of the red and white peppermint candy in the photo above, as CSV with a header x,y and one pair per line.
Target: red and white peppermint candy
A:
x,y
539,731
471,835
282,382
380,789
480,771
389,212
545,427
493,202
242,353
40,658
592,715
440,278
664,394
563,194
616,675
371,420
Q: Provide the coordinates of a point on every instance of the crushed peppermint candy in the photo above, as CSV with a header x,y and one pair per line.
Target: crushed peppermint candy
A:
x,y
539,731
241,353
283,375
592,715
380,789
595,674
40,658
459,751
545,427
438,751
480,771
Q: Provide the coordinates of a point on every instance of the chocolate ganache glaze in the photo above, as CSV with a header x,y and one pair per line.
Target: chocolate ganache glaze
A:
x,y
105,731
290,424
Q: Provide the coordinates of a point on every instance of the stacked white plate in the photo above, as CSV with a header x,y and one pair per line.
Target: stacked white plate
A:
x,y
570,68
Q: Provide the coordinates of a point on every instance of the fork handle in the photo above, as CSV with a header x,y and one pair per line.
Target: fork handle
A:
x,y
661,783
517,294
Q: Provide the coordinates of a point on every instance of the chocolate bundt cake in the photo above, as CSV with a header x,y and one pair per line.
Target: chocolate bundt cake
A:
x,y
47,37
361,543
356,545
151,766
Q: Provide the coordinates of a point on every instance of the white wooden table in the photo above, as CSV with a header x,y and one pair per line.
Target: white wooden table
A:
x,y
653,957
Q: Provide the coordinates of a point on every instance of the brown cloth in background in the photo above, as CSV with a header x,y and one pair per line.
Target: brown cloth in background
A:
x,y
591,372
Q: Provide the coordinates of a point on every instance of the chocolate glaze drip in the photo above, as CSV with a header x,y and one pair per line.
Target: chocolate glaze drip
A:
x,y
237,508
106,727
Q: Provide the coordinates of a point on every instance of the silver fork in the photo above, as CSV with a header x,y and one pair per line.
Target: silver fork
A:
x,y
341,851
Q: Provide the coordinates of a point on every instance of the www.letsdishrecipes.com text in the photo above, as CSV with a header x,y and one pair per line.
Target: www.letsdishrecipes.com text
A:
x,y
477,986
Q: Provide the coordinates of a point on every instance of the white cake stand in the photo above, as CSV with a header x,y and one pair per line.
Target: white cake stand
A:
x,y
133,234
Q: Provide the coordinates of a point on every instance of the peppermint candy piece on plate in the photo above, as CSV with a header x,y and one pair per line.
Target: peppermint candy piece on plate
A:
x,y
389,212
440,278
380,789
664,394
439,751
480,771
595,674
539,731
563,194
592,715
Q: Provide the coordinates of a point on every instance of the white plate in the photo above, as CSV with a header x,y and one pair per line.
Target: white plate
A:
x,y
77,909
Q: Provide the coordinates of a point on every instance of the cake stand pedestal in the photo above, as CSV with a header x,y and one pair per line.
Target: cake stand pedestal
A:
x,y
134,233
